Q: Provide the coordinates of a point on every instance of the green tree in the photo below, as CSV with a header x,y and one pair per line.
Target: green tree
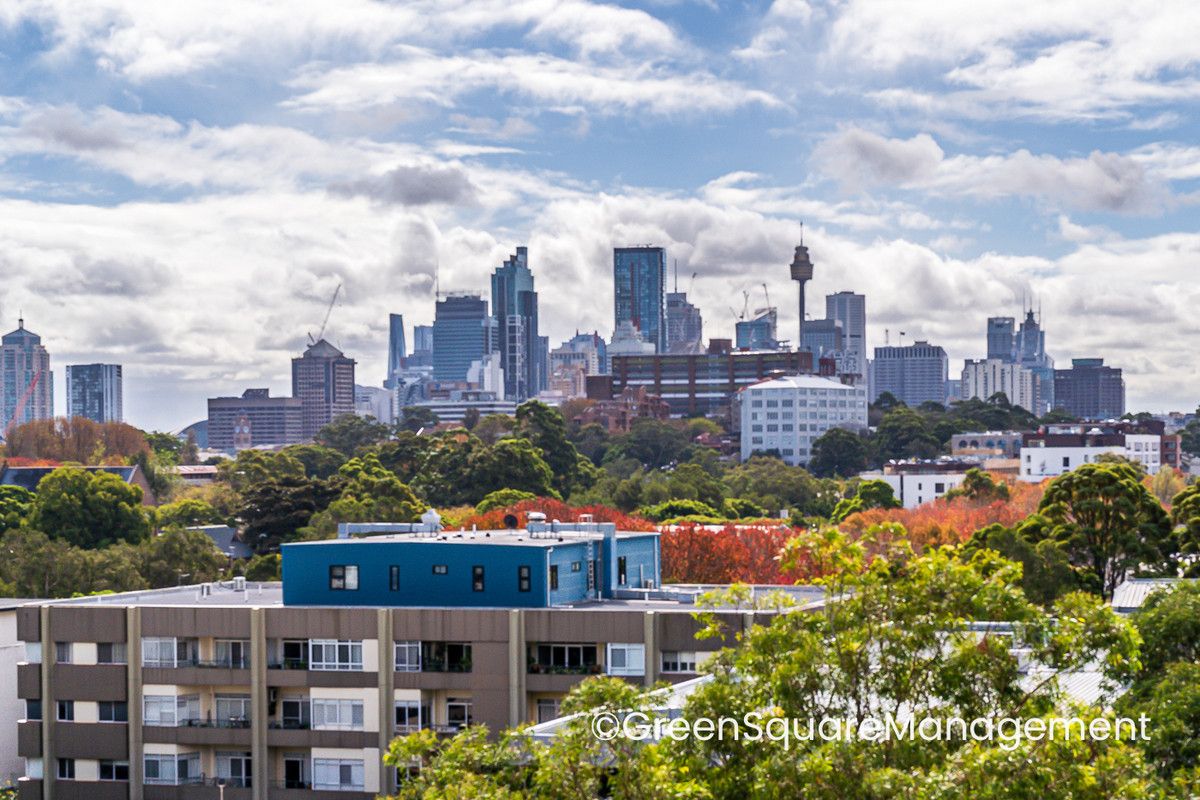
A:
x,y
1185,513
166,446
981,487
838,453
369,493
254,467
186,513
470,418
34,565
350,433
772,484
509,464
416,418
89,508
180,556
1046,570
15,505
494,427
544,427
869,494
405,455
318,461
268,567
691,481
445,473
903,433
1109,522
678,508
741,508
275,509
502,498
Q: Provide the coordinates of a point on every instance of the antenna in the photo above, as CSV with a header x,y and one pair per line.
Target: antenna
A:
x,y
324,322
801,233
677,276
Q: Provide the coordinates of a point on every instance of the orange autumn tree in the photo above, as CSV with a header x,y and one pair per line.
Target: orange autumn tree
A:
x,y
555,510
952,520
733,554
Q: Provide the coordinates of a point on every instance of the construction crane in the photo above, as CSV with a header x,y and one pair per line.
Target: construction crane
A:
x,y
324,322
769,307
20,407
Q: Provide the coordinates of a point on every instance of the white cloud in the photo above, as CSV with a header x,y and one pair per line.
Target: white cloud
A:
x,y
859,159
424,77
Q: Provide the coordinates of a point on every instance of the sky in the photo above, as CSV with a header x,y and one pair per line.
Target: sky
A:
x,y
183,185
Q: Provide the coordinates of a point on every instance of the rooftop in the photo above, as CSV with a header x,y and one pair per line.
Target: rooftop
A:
x,y
799,382
672,598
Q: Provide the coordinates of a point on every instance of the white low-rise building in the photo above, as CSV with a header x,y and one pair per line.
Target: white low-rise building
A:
x,y
787,414
915,483
1057,449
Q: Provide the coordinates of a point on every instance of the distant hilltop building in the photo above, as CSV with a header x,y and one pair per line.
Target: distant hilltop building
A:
x,y
1090,390
26,382
323,382
95,391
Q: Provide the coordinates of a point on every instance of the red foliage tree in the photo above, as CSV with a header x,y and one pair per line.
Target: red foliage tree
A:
x,y
733,554
556,510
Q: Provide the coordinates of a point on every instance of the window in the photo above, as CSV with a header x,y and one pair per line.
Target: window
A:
x,y
622,573
938,488
346,715
553,577
233,710
234,768
66,710
335,654
66,769
167,651
294,653
344,774
562,658
62,652
458,712
440,569
233,653
114,711
111,653
678,661
33,709
114,770
523,578
445,657
626,659
408,656
33,652
1066,461
343,577
171,770
408,716
477,578
296,714
169,710
547,709
576,566
34,768
394,578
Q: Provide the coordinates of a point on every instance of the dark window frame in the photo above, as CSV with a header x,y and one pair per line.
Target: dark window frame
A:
x,y
341,576
622,570
477,578
394,578
524,578
553,577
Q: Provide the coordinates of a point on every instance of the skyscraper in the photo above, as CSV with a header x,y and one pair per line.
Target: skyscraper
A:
x,y
422,352
397,349
983,379
462,333
515,307
323,382
1029,350
850,310
639,277
915,374
1001,338
1090,390
685,327
823,337
94,391
26,383
758,333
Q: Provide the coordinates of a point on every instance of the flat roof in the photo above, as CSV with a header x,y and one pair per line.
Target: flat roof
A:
x,y
669,599
801,382
519,537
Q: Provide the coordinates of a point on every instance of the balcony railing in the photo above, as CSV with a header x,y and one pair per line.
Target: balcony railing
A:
x,y
289,663
440,665
536,668
290,725
213,722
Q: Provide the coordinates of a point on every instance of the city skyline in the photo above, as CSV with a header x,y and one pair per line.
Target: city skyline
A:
x,y
181,193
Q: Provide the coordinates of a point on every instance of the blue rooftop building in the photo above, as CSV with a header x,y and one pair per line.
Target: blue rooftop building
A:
x,y
540,566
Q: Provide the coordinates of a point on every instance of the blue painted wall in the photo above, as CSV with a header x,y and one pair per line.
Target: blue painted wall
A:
x,y
306,571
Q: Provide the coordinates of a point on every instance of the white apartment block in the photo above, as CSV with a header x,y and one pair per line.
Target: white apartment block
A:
x,y
1042,458
982,379
917,488
789,413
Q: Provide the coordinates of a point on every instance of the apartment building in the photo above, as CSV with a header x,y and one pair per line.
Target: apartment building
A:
x,y
1055,450
294,690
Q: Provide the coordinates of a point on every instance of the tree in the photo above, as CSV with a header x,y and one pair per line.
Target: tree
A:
x,y
838,453
372,493
76,439
543,426
416,418
274,509
185,513
772,484
741,508
691,481
981,487
317,460
652,442
89,508
678,508
470,418
1046,569
15,505
405,455
180,556
1167,483
349,433
868,495
1185,513
1109,522
509,464
268,567
494,427
166,446
254,467
903,433
34,565
502,498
